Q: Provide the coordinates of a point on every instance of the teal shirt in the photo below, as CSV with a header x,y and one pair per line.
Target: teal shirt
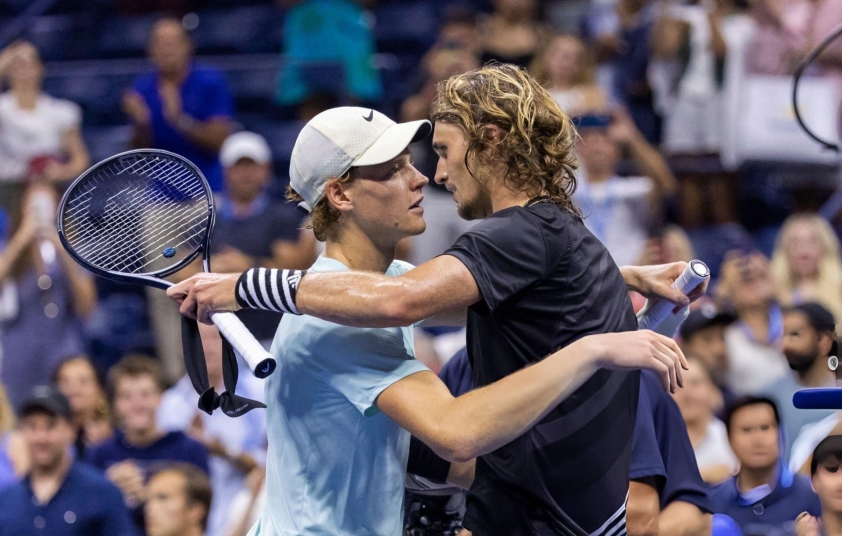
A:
x,y
335,464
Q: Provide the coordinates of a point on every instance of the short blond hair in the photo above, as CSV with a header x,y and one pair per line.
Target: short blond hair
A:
x,y
539,138
324,216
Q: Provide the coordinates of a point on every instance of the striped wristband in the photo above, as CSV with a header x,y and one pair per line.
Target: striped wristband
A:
x,y
269,289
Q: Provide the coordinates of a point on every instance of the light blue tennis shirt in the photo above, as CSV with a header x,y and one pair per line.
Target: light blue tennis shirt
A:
x,y
335,464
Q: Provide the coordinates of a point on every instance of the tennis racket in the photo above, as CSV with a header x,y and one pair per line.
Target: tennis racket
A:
x,y
142,215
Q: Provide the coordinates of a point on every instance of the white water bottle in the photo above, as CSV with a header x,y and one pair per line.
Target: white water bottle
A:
x,y
658,315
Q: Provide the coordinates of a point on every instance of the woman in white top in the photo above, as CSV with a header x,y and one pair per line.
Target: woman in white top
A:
x,y
697,401
40,136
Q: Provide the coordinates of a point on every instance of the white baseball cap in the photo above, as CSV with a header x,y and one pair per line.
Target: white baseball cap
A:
x,y
244,145
341,138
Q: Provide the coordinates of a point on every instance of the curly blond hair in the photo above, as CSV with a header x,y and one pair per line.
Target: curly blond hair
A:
x,y
538,142
324,216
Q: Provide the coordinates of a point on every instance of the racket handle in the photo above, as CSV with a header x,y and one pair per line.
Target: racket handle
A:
x,y
653,314
259,360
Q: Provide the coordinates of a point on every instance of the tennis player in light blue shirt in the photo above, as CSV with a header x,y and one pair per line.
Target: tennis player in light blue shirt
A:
x,y
344,400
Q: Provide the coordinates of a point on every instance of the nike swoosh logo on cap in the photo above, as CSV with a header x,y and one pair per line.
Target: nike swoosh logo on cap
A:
x,y
370,116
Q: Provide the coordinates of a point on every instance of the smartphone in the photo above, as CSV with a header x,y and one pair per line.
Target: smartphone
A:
x,y
594,121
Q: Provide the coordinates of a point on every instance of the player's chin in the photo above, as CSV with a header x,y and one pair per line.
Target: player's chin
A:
x,y
415,226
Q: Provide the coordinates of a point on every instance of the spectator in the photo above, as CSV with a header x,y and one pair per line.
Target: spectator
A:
x,y
513,33
60,496
320,32
698,401
13,457
247,505
765,497
444,225
620,32
827,481
39,135
567,69
236,446
703,337
78,379
183,107
136,386
806,263
618,210
753,342
666,494
459,30
179,502
49,292
808,340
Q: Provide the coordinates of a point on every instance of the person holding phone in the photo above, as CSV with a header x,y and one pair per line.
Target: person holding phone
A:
x,y
619,210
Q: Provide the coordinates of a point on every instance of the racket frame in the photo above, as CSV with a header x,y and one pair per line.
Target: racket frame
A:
x,y
154,279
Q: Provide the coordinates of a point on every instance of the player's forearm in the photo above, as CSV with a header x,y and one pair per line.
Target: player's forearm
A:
x,y
681,518
485,419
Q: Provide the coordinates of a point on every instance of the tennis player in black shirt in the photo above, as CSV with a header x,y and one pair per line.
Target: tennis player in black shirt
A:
x,y
533,279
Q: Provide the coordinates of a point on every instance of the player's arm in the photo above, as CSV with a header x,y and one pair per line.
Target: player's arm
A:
x,y
478,422
681,518
367,299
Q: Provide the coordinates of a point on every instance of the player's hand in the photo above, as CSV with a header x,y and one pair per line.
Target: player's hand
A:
x,y
642,349
807,525
655,282
202,294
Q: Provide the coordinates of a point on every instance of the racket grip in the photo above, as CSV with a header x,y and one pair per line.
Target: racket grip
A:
x,y
259,360
653,314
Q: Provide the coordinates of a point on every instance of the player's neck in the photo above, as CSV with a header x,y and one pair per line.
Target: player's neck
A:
x,y
748,479
358,251
503,197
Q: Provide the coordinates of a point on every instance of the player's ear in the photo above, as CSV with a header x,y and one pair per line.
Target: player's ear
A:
x,y
337,195
494,133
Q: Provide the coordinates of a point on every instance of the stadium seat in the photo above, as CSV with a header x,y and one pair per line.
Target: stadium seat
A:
x,y
103,142
51,35
253,88
231,31
405,27
281,137
125,36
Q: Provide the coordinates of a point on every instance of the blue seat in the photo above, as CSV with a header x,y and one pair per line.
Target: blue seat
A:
x,y
229,31
99,95
125,36
103,142
252,88
52,35
405,26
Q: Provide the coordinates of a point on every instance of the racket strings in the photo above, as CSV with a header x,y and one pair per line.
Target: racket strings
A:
x,y
135,218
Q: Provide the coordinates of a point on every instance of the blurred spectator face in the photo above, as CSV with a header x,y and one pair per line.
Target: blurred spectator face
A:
x,y
76,379
445,63
708,345
597,151
804,250
136,399
828,483
746,281
169,511
247,179
564,58
754,436
47,438
696,400
460,35
25,69
169,47
473,199
800,342
515,9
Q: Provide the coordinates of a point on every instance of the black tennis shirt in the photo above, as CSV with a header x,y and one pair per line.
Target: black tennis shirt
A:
x,y
545,282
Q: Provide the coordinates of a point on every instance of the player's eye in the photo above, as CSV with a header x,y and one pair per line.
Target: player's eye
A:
x,y
832,469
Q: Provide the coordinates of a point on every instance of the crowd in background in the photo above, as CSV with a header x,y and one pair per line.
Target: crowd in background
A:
x,y
677,160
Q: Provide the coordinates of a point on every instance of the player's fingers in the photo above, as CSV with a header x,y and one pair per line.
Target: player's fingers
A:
x,y
188,306
676,358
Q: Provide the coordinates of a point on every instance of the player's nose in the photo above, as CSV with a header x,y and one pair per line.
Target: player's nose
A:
x,y
419,180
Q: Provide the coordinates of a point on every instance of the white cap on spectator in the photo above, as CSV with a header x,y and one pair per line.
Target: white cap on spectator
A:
x,y
341,138
244,145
